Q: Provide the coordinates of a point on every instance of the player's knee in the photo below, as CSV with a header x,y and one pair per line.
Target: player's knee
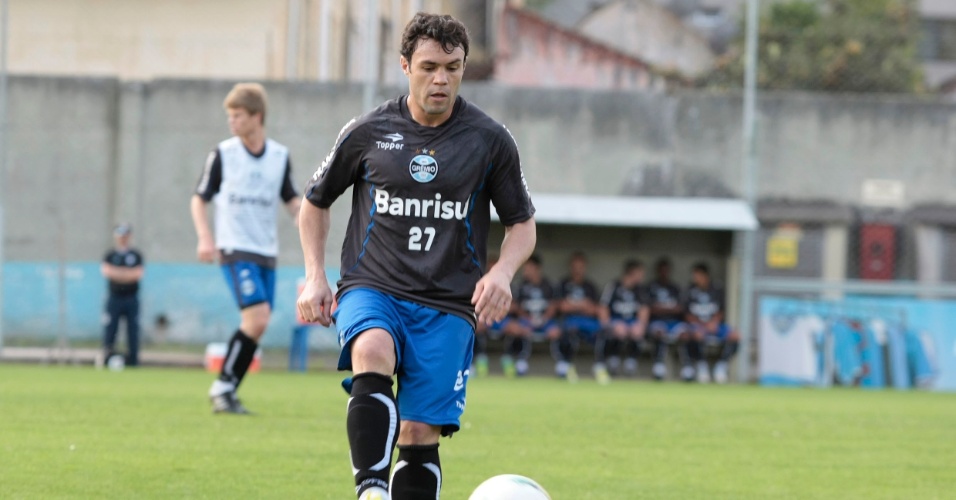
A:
x,y
419,433
373,351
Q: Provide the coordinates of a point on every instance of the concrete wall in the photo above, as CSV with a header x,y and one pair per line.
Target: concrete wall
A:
x,y
85,153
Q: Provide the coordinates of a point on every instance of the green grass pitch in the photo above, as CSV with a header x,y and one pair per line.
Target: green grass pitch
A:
x,y
74,432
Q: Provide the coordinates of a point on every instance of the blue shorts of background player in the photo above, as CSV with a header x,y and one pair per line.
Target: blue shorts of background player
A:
x,y
433,352
667,329
586,326
723,331
539,331
251,284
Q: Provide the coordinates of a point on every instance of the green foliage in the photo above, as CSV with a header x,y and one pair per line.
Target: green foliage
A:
x,y
832,45
71,432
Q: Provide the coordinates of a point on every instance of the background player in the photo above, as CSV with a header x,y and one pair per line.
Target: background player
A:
x,y
244,176
666,320
704,304
123,269
624,316
413,256
534,310
578,306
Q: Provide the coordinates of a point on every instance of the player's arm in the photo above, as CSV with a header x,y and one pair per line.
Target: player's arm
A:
x,y
604,308
338,171
292,200
315,302
643,318
492,297
207,187
206,248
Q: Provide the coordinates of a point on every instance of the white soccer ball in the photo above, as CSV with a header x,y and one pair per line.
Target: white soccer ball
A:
x,y
509,487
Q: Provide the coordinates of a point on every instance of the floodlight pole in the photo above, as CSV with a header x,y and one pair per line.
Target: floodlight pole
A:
x,y
4,14
748,242
371,56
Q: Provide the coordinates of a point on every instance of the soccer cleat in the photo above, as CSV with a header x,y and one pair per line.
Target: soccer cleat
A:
x,y
659,371
572,374
630,367
481,365
687,373
227,402
703,372
374,493
614,365
508,366
561,369
720,372
601,374
522,367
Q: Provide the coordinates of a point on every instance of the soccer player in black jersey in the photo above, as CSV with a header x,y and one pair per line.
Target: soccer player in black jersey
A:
x,y
534,316
245,177
578,305
624,316
666,322
704,306
425,169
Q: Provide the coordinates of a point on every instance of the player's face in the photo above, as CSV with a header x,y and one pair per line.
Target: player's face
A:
x,y
433,80
634,277
579,268
241,122
531,272
121,241
701,279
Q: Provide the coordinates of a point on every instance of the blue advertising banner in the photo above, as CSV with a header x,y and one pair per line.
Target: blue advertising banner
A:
x,y
870,342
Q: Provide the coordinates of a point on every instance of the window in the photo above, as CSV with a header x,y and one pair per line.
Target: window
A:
x,y
938,40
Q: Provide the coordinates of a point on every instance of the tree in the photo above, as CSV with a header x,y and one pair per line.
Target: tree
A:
x,y
831,45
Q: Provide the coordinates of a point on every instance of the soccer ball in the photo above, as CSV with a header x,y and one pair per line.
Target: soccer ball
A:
x,y
509,487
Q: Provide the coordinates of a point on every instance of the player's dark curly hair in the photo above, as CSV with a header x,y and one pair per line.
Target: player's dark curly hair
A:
x,y
446,30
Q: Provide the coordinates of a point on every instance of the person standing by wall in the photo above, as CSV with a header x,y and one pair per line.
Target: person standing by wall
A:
x,y
246,176
123,269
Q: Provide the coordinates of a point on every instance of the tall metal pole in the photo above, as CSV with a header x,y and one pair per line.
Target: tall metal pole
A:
x,y
371,56
747,297
4,14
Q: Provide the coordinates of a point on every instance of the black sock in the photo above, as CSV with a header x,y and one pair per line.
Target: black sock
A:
x,y
693,350
372,424
730,348
632,348
417,473
612,347
661,351
239,355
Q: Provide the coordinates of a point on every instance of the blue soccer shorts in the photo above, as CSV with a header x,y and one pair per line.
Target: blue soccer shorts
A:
x,y
250,283
669,329
586,326
433,350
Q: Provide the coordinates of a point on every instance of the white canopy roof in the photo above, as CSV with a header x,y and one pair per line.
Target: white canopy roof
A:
x,y
724,214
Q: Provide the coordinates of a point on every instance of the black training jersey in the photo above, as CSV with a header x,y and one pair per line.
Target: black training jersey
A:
x,y
704,303
127,258
623,302
578,291
664,295
420,204
535,299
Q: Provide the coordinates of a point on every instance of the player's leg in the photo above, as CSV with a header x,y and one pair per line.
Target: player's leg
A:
x,y
253,287
562,348
658,333
110,326
511,331
687,349
731,339
431,393
523,354
616,332
481,351
364,320
634,343
132,330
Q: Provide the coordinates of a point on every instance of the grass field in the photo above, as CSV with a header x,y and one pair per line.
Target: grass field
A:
x,y
80,433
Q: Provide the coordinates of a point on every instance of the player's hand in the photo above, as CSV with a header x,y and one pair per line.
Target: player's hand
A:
x,y
206,250
492,297
315,302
